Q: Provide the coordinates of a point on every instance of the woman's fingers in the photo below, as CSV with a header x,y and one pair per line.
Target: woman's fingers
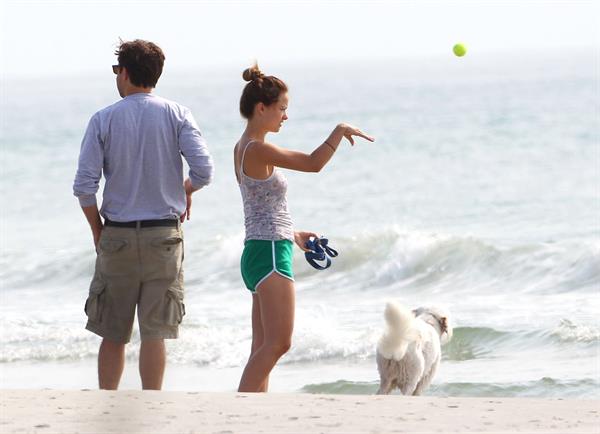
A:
x,y
359,133
352,131
305,237
364,136
349,131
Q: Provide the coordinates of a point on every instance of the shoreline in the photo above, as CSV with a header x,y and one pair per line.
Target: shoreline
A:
x,y
332,377
93,411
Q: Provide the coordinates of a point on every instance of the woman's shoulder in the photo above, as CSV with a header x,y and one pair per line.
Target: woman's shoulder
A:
x,y
256,142
244,143
256,146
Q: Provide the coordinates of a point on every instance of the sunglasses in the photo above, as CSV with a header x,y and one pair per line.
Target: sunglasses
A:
x,y
116,69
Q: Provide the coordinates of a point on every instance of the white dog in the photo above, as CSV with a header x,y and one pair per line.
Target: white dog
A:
x,y
409,353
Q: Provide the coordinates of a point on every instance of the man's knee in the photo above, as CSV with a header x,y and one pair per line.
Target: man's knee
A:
x,y
153,342
112,345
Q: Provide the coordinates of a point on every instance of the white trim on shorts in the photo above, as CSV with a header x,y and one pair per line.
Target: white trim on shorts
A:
x,y
274,270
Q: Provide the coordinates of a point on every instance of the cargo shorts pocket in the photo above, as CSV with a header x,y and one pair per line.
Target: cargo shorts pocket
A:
x,y
165,258
115,257
167,246
94,305
174,306
110,246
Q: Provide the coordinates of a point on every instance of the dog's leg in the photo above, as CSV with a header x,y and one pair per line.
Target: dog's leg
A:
x,y
413,372
385,386
386,374
409,386
427,378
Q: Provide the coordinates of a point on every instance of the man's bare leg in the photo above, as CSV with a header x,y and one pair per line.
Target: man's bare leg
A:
x,y
111,361
153,358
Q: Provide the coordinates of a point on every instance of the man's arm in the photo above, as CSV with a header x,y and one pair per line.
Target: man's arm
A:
x,y
89,172
93,217
194,150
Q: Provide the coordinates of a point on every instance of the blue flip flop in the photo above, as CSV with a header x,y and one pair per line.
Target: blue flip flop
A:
x,y
319,251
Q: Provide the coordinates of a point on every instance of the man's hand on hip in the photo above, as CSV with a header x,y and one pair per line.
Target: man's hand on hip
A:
x,y
93,217
189,189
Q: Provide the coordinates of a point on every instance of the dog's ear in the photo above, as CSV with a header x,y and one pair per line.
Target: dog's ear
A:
x,y
444,324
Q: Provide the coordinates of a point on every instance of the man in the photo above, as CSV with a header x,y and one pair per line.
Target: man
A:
x,y
137,143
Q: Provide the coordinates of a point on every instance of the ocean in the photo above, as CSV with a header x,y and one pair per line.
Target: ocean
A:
x,y
481,194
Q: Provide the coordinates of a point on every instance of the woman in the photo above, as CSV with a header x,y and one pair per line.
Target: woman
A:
x,y
267,259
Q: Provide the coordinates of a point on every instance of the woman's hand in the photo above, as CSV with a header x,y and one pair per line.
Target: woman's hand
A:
x,y
348,131
301,239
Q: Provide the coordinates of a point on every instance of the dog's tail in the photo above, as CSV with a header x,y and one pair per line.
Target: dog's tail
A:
x,y
400,334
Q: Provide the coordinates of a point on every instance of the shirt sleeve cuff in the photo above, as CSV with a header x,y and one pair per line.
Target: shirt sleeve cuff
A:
x,y
201,181
87,200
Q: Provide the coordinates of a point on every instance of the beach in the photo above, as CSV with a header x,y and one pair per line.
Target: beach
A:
x,y
86,411
479,196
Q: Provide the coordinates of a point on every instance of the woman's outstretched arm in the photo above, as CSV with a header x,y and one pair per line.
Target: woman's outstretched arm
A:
x,y
275,156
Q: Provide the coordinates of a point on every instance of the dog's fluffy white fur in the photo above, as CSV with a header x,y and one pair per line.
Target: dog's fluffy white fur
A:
x,y
409,352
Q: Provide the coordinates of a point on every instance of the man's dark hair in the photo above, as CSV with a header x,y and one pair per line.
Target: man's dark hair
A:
x,y
143,60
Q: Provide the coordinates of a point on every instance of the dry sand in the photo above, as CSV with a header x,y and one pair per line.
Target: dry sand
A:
x,y
53,411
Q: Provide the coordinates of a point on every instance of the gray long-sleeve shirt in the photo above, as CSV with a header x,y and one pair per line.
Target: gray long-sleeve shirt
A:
x,y
137,143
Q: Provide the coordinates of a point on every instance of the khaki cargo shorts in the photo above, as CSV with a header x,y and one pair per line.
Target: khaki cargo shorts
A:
x,y
137,267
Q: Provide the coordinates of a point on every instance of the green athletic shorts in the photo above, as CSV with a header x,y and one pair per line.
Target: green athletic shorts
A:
x,y
261,258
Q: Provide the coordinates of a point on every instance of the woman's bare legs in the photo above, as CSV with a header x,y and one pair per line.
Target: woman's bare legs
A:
x,y
276,301
257,335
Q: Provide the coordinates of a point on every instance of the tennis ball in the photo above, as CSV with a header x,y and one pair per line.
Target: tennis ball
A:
x,y
459,49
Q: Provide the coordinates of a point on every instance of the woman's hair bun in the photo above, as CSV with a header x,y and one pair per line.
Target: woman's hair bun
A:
x,y
260,88
252,73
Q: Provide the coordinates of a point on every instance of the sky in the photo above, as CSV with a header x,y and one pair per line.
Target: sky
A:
x,y
42,38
